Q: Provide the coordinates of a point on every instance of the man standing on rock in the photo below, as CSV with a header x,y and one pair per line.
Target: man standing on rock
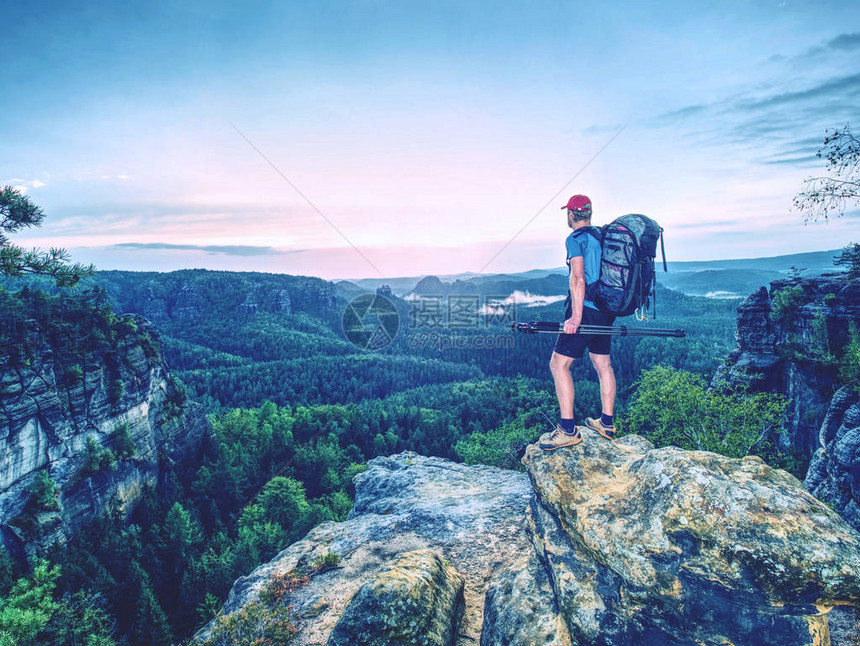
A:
x,y
583,261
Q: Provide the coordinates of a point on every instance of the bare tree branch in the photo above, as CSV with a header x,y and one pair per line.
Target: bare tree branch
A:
x,y
840,189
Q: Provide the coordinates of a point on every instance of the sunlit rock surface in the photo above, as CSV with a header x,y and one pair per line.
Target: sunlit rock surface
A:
x,y
418,599
669,546
614,544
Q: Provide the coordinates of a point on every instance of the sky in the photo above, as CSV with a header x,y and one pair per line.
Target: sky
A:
x,y
378,139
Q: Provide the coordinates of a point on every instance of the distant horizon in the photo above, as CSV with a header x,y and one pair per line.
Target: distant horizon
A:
x,y
453,275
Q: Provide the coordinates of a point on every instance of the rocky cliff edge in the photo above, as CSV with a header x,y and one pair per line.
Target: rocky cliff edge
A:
x,y
70,429
603,543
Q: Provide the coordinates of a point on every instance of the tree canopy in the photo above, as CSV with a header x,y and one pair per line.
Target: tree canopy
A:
x,y
18,212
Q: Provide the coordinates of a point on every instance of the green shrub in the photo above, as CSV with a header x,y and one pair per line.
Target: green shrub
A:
x,y
151,348
45,492
674,407
125,325
209,607
254,625
177,397
786,302
500,447
97,457
849,257
327,561
28,606
124,445
177,391
818,348
8,571
849,368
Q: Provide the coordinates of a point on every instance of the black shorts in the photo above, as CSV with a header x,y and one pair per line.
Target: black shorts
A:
x,y
574,345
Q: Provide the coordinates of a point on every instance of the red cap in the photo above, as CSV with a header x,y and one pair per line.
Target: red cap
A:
x,y
578,203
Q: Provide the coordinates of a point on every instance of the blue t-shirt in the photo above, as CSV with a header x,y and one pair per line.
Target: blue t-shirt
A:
x,y
582,244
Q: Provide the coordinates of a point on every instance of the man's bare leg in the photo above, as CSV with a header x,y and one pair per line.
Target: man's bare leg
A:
x,y
606,375
560,365
566,433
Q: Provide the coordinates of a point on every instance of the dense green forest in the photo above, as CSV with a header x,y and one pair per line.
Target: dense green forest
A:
x,y
297,411
231,358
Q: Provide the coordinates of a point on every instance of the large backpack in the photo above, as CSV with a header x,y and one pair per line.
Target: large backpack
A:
x,y
628,248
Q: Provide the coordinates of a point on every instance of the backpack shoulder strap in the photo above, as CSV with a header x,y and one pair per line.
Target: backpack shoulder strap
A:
x,y
594,232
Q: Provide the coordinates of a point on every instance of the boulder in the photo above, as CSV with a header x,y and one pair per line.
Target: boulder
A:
x,y
418,599
667,546
614,544
521,608
471,517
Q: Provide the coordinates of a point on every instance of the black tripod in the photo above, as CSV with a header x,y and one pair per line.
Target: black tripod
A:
x,y
550,327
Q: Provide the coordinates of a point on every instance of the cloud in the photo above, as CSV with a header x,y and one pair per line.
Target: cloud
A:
x,y
97,175
23,185
842,87
682,113
802,160
845,42
229,250
598,129
528,299
773,124
842,43
805,93
172,209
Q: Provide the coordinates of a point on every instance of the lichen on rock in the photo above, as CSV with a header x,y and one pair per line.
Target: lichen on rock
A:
x,y
671,546
471,517
614,544
418,599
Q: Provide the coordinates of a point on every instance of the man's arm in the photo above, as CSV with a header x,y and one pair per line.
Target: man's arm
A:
x,y
577,294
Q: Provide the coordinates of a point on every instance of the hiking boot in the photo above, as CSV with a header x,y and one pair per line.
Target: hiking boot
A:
x,y
596,425
559,439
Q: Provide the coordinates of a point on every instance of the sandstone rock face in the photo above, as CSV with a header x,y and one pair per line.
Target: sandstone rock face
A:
x,y
616,544
189,304
278,300
778,351
312,294
471,517
417,599
46,421
521,607
153,307
834,473
648,546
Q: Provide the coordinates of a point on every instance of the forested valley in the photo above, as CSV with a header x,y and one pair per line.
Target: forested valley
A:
x,y
297,411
